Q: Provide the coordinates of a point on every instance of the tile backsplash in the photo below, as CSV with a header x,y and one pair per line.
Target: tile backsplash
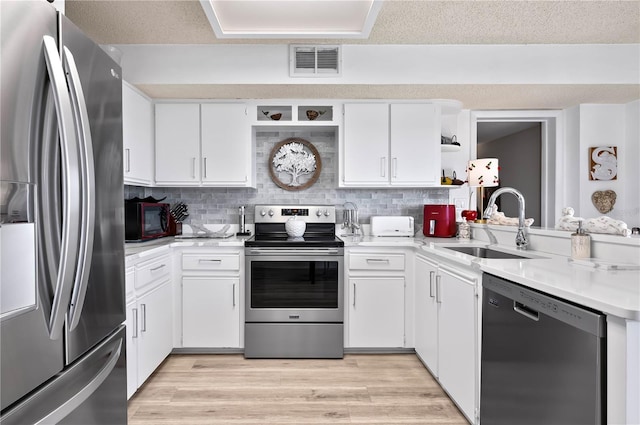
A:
x,y
210,205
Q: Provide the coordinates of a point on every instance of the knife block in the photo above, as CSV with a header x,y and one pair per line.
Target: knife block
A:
x,y
174,228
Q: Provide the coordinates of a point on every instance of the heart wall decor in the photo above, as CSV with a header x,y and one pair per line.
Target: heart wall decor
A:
x,y
604,200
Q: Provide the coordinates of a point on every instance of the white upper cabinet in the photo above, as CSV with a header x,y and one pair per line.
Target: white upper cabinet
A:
x,y
366,144
390,144
415,145
137,137
227,154
177,144
203,145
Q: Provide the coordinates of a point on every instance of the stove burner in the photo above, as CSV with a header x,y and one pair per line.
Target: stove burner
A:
x,y
270,226
284,241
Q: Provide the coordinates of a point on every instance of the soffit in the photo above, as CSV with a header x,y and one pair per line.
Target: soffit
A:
x,y
472,96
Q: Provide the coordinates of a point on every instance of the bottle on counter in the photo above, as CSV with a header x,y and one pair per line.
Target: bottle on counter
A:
x,y
242,224
580,243
464,229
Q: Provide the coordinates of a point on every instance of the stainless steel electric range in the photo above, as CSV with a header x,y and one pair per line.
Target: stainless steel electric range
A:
x,y
294,285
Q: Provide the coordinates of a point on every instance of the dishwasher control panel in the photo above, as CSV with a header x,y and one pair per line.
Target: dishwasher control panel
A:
x,y
533,304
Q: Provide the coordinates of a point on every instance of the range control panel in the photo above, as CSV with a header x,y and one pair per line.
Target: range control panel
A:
x,y
282,213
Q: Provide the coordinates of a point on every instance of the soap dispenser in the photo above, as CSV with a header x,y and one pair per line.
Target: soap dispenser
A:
x,y
580,243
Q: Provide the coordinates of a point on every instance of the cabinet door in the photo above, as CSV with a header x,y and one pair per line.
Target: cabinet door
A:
x,y
177,143
227,157
366,144
155,339
210,312
376,312
132,348
137,136
426,313
415,144
457,338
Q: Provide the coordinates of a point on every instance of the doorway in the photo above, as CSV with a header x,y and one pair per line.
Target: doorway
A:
x,y
518,147
551,141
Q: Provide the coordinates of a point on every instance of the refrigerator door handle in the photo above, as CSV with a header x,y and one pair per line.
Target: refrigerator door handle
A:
x,y
70,193
87,172
77,399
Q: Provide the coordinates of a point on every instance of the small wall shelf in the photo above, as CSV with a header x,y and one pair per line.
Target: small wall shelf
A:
x,y
273,113
313,113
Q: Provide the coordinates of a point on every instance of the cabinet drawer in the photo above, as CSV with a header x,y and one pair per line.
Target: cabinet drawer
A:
x,y
376,262
211,262
153,270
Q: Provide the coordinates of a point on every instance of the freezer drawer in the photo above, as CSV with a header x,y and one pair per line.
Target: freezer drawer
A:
x,y
92,391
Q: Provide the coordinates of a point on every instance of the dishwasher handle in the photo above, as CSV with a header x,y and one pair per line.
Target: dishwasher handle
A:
x,y
526,311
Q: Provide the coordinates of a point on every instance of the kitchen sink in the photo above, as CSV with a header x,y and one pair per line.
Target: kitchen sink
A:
x,y
482,252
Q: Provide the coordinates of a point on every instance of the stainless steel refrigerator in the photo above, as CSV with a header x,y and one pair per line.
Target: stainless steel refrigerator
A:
x,y
62,297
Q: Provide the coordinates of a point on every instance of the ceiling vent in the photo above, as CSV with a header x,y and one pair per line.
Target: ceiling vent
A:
x,y
314,61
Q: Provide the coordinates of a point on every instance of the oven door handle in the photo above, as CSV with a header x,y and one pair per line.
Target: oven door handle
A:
x,y
297,251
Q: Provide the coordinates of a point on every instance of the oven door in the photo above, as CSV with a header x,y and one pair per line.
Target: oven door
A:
x,y
297,285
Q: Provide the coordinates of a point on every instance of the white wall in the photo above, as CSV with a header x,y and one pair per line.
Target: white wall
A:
x,y
631,162
603,125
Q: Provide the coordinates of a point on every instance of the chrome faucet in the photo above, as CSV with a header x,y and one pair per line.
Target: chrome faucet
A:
x,y
350,218
521,237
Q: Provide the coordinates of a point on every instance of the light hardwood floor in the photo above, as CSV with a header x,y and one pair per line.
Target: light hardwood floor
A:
x,y
229,389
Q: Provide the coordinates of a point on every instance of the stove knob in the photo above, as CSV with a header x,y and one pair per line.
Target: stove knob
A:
x,y
318,213
326,213
263,213
271,213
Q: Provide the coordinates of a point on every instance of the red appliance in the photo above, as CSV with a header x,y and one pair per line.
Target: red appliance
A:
x,y
439,221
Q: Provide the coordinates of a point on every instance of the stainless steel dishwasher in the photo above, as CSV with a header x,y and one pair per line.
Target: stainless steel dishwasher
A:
x,y
543,359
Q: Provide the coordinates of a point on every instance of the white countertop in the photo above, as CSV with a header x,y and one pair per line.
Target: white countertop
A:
x,y
614,292
134,250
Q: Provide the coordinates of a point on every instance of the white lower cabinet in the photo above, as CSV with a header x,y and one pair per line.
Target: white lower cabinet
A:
x,y
211,298
211,312
375,299
155,322
426,313
457,338
132,333
446,311
149,317
376,312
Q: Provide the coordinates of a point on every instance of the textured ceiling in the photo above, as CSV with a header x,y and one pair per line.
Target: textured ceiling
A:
x,y
399,22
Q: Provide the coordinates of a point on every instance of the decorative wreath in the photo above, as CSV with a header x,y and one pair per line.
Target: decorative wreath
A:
x,y
296,159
